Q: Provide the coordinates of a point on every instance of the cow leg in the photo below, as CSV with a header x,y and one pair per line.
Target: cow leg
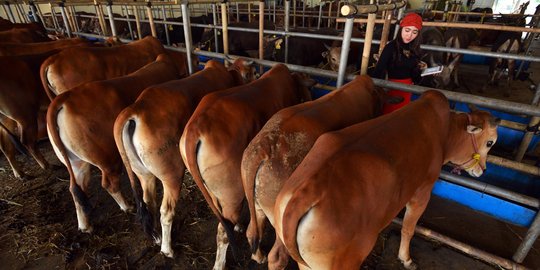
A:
x,y
278,258
29,139
258,256
9,151
415,208
148,185
171,193
222,245
81,170
230,212
511,67
110,180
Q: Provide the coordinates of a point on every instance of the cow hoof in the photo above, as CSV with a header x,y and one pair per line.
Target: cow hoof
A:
x,y
409,264
259,258
88,229
238,228
168,253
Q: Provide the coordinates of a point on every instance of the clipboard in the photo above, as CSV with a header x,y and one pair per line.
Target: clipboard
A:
x,y
431,71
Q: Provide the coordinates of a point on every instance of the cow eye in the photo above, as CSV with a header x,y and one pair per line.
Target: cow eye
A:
x,y
489,143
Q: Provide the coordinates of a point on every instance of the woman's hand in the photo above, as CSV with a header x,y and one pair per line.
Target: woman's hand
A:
x,y
422,64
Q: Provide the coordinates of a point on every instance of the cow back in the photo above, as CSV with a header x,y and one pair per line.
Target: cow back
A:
x,y
21,35
75,66
40,47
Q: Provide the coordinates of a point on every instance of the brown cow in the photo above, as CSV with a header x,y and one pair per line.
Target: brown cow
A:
x,y
282,143
75,66
217,134
148,131
39,47
354,181
22,35
80,125
22,99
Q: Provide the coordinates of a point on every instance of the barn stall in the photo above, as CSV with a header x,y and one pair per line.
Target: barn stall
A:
x,y
496,195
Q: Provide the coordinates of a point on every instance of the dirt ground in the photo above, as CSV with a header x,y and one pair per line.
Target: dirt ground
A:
x,y
38,228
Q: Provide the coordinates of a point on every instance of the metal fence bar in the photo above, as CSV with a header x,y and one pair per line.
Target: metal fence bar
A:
x,y
187,35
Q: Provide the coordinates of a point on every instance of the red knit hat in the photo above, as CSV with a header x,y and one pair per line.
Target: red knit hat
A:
x,y
411,19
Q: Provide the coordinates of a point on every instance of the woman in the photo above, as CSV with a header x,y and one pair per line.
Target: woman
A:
x,y
400,59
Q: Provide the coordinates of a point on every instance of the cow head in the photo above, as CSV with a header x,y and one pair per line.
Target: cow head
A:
x,y
332,56
244,68
474,142
303,84
442,80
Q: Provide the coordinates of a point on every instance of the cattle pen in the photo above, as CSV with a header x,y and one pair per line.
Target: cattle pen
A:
x,y
498,198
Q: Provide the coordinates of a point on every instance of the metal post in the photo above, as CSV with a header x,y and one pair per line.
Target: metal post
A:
x,y
137,21
128,22
74,17
10,12
528,241
287,10
166,26
64,17
20,13
445,14
294,13
304,14
237,12
399,17
101,18
527,138
54,19
225,32
320,16
329,13
111,17
214,16
345,45
274,11
151,18
37,17
40,14
249,11
187,34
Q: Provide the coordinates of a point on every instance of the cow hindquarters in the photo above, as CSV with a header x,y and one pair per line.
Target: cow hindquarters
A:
x,y
415,209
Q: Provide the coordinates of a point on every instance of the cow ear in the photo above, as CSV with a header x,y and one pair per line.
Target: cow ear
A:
x,y
472,129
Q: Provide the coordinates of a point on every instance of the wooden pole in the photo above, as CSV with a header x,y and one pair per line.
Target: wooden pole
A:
x,y
137,21
151,19
367,44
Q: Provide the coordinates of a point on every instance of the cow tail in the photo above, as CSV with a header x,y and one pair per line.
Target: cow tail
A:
x,y
192,144
43,70
300,203
52,125
250,169
13,138
124,128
